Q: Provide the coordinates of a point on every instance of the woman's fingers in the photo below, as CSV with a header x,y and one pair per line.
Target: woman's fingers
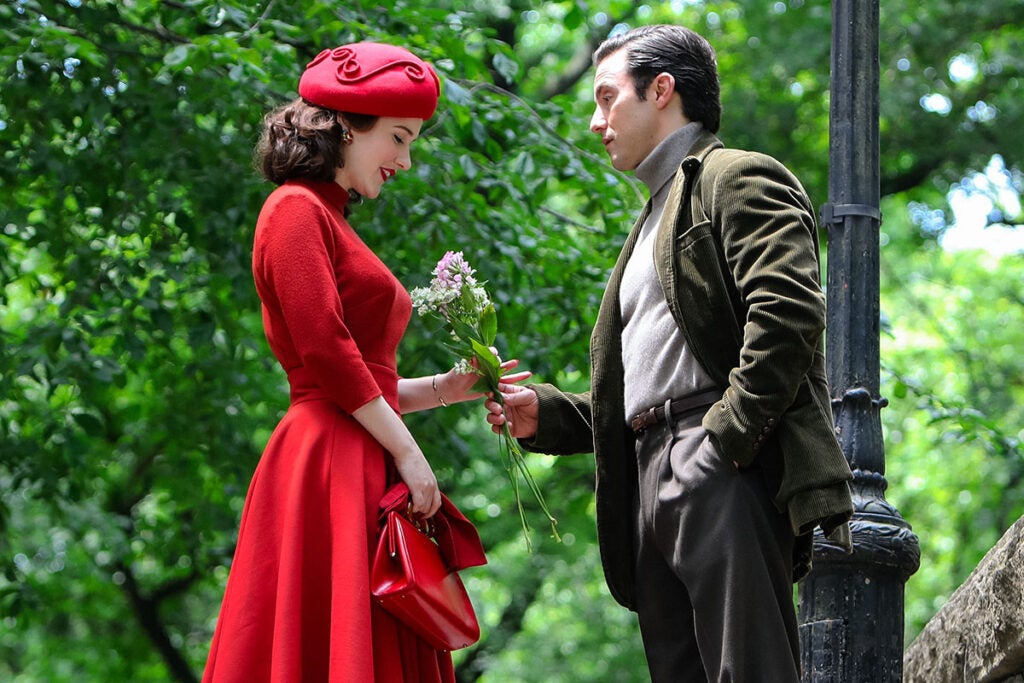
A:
x,y
426,503
514,378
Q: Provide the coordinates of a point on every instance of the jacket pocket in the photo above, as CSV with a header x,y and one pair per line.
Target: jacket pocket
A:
x,y
703,293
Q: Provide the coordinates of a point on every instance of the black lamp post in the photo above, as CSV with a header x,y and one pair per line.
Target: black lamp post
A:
x,y
851,606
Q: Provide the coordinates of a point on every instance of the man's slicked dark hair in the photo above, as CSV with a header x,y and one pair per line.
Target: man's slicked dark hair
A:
x,y
687,56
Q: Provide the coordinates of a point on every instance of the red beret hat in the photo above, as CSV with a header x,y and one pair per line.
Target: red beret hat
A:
x,y
371,78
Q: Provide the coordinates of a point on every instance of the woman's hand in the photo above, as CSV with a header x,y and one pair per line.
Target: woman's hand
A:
x,y
415,471
456,387
518,409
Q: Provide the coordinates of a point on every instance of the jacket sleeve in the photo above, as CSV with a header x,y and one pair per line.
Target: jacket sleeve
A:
x,y
767,233
564,423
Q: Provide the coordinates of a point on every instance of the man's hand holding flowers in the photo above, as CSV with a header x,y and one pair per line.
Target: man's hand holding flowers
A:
x,y
517,410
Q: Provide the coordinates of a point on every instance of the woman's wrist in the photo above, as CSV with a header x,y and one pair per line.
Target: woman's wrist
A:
x,y
438,392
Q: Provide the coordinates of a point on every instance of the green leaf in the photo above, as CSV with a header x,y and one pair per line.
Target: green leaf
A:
x,y
506,65
899,390
465,332
177,56
489,325
489,362
89,423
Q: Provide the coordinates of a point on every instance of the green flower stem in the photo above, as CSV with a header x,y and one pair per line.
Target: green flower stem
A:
x,y
515,466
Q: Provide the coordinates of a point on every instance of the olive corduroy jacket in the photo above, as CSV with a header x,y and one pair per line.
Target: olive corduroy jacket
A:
x,y
736,253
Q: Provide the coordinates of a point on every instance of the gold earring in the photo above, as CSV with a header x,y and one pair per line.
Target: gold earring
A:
x,y
346,136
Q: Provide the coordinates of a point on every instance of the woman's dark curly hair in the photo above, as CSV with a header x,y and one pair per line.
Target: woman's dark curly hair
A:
x,y
303,140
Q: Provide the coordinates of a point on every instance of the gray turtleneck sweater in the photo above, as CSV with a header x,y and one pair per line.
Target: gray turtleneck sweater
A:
x,y
657,364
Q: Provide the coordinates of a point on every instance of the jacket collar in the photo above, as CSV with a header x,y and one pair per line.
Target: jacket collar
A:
x,y
704,144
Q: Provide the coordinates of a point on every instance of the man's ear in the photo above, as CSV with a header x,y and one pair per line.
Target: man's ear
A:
x,y
664,86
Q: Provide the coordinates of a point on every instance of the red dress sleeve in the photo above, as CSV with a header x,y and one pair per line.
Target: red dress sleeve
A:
x,y
300,243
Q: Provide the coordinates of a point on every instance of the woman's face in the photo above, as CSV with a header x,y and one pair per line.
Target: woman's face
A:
x,y
377,154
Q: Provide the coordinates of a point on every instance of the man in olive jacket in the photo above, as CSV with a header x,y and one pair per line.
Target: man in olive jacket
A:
x,y
708,413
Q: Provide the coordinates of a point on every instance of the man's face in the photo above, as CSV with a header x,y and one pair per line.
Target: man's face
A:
x,y
626,124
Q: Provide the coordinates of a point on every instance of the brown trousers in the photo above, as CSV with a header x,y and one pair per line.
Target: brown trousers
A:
x,y
714,563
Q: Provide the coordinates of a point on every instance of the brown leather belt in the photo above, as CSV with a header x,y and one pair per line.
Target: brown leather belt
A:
x,y
653,416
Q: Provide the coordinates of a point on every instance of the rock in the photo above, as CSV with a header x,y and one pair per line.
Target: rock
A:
x,y
979,634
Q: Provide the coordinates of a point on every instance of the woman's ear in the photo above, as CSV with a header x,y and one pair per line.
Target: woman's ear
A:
x,y
346,130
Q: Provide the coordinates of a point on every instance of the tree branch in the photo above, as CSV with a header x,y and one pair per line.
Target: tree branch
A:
x,y
580,62
255,27
147,610
472,87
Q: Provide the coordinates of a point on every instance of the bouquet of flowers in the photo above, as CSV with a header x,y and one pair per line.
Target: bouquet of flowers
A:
x,y
464,306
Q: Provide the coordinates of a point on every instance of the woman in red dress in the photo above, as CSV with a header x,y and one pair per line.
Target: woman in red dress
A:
x,y
297,605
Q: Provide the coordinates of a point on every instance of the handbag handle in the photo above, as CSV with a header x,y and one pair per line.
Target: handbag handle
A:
x,y
424,526
454,534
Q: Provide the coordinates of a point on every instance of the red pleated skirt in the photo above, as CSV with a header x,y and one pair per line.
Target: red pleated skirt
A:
x,y
297,605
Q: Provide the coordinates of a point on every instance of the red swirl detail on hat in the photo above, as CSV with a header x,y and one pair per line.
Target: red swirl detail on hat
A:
x,y
348,70
319,58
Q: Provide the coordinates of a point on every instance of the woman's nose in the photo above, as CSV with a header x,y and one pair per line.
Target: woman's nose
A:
x,y
404,160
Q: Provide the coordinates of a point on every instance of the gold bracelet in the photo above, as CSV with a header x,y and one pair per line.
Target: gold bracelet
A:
x,y
440,398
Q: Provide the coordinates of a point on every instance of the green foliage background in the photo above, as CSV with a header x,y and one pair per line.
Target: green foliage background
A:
x,y
136,391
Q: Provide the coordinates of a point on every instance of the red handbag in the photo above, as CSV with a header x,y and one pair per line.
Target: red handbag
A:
x,y
415,577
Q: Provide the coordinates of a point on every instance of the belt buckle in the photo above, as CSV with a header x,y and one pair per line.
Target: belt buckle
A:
x,y
638,425
646,419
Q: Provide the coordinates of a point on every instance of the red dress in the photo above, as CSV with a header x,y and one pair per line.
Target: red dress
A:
x,y
297,606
